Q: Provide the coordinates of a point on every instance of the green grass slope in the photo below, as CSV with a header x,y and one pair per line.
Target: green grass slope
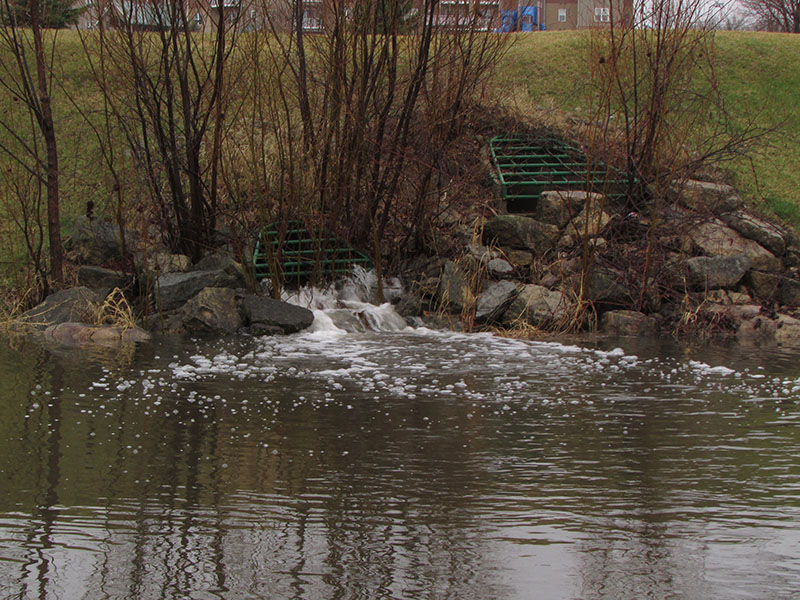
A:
x,y
759,75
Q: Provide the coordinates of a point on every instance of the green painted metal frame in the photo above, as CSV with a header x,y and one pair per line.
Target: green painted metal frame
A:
x,y
300,254
526,166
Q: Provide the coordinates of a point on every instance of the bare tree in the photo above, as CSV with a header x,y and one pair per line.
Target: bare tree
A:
x,y
30,83
362,100
659,113
162,69
775,15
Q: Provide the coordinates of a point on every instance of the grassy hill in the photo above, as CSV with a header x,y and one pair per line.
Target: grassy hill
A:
x,y
546,72
543,76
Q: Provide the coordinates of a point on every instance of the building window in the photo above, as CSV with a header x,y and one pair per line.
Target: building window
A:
x,y
602,15
562,15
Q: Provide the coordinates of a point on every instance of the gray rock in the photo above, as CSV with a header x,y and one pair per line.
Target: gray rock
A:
x,y
705,195
765,233
559,207
714,238
217,262
627,323
498,267
212,311
494,300
591,224
73,305
410,305
163,262
775,288
521,233
715,272
99,277
175,289
452,287
94,241
536,305
603,286
262,311
754,327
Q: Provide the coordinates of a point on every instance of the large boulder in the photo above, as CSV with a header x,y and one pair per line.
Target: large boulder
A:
x,y
494,300
535,305
213,311
775,288
560,207
520,233
753,326
173,290
94,241
765,233
705,195
78,304
453,287
266,315
81,334
627,323
101,278
605,286
714,238
716,272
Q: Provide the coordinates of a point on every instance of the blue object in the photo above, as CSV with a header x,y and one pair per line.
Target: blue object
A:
x,y
528,18
508,21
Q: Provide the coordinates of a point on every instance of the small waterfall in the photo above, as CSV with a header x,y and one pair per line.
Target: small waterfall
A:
x,y
349,305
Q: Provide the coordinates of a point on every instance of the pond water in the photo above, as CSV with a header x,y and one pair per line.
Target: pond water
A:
x,y
399,464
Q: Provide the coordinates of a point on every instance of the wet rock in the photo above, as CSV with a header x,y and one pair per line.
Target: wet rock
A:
x,y
535,305
410,305
212,311
494,300
94,241
453,287
627,323
81,334
753,326
714,238
704,195
498,267
101,278
715,272
765,233
260,311
559,207
173,290
78,304
521,233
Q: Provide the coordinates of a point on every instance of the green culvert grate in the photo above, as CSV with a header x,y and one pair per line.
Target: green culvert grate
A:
x,y
296,254
527,166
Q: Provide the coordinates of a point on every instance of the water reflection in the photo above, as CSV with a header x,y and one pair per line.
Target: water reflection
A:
x,y
397,467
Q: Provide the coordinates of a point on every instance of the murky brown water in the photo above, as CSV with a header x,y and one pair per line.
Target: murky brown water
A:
x,y
399,465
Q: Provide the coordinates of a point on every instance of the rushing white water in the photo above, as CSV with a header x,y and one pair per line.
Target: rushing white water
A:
x,y
347,305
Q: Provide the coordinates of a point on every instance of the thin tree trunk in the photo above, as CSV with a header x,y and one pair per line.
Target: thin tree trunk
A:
x,y
49,134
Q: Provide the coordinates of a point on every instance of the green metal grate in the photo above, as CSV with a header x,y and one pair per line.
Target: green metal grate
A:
x,y
527,166
298,254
